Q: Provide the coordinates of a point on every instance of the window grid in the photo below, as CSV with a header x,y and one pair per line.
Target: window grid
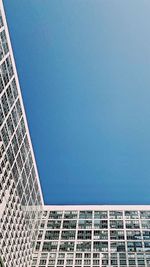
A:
x,y
20,196
104,251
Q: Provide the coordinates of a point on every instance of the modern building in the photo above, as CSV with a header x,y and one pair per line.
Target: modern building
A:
x,y
20,192
92,236
34,235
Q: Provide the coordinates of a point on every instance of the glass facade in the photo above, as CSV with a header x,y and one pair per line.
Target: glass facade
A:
x,y
97,236
20,193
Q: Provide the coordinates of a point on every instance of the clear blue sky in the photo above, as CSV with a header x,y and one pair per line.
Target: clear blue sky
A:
x,y
84,68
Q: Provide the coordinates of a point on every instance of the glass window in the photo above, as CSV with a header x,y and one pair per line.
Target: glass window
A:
x,y
1,20
70,214
1,52
100,215
117,246
101,224
147,246
146,235
131,214
52,235
14,88
10,96
1,83
70,224
40,234
145,214
5,104
78,255
85,214
68,235
4,42
84,235
118,224
53,224
66,246
134,246
145,224
134,235
132,224
60,262
4,73
83,246
50,246
100,246
103,235
116,235
55,214
61,255
1,115
9,66
115,214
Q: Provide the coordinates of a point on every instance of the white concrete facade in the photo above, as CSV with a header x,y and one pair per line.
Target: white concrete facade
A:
x,y
21,198
92,236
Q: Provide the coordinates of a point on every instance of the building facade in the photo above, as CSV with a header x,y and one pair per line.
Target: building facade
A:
x,y
92,236
20,193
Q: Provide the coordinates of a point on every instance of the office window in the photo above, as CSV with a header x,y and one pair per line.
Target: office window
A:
x,y
103,235
68,235
84,235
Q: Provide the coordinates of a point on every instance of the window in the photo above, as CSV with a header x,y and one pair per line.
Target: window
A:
x,y
145,224
1,114
132,224
68,235
4,73
114,235
118,224
85,215
66,246
134,246
147,246
5,104
145,214
14,88
70,214
53,224
117,246
1,83
131,214
85,224
134,235
38,245
100,246
84,235
83,246
1,21
9,67
101,224
146,235
52,235
100,235
4,42
115,214
55,214
50,246
69,224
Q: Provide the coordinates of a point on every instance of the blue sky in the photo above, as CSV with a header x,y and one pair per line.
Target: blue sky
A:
x,y
84,69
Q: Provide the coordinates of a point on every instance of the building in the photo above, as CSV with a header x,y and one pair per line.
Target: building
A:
x,y
92,236
20,193
34,235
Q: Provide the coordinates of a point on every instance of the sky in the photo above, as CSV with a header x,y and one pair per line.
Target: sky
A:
x,y
84,71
